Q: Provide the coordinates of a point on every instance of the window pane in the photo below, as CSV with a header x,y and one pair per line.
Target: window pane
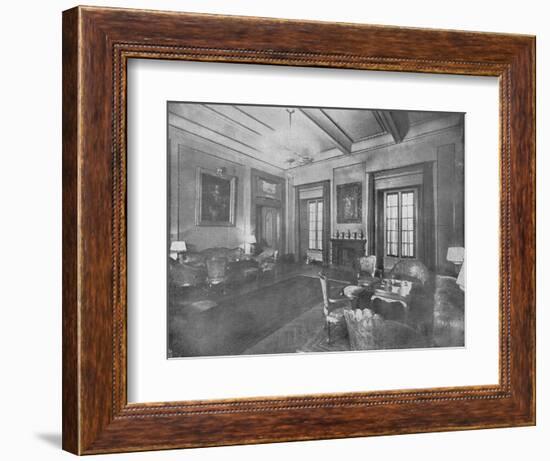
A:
x,y
408,224
315,218
392,217
312,207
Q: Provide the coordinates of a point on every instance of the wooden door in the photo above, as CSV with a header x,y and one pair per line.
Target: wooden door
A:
x,y
270,227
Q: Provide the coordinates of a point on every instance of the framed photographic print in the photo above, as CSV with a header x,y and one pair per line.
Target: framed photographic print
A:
x,y
256,211
349,198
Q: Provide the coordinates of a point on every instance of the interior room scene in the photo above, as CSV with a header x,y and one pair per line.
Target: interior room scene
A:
x,y
313,229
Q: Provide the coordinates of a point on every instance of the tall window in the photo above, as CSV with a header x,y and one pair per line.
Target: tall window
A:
x,y
315,219
401,223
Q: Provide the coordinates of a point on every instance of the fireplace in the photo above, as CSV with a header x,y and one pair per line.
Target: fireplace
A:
x,y
344,252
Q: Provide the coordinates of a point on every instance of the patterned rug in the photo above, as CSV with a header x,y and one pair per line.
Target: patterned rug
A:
x,y
306,333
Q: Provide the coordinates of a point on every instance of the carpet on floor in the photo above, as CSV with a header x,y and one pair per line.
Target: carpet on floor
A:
x,y
237,324
305,333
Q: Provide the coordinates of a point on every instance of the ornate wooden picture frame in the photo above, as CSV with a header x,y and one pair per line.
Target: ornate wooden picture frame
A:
x,y
348,203
215,198
97,44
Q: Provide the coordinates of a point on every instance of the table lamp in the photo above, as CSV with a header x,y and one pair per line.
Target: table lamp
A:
x,y
248,244
456,256
177,249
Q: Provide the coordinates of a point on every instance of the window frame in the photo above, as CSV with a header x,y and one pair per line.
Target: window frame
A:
x,y
318,222
399,192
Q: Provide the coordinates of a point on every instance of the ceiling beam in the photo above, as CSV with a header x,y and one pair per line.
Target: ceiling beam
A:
x,y
394,122
223,116
329,128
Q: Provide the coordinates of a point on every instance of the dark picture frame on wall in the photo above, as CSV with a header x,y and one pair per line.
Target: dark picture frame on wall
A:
x,y
216,198
268,189
349,203
98,416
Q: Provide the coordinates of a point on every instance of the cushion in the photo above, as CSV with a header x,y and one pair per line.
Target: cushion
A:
x,y
267,253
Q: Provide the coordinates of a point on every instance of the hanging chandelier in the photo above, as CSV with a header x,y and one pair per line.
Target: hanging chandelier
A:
x,y
298,158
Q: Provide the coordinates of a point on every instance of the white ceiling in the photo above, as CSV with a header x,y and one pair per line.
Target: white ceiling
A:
x,y
288,137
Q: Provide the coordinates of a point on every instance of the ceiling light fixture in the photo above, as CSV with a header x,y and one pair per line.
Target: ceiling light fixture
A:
x,y
302,159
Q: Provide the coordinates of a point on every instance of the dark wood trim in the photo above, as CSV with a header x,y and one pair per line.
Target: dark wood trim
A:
x,y
97,42
70,275
256,201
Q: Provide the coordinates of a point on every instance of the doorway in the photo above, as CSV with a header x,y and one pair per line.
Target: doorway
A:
x,y
269,227
399,233
404,220
313,219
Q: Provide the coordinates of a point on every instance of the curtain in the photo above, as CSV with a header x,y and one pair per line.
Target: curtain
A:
x,y
428,216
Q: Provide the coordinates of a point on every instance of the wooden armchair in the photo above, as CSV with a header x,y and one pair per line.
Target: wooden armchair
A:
x,y
267,260
332,308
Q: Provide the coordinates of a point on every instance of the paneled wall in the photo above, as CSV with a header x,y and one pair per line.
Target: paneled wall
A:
x,y
444,149
435,148
344,175
184,159
183,190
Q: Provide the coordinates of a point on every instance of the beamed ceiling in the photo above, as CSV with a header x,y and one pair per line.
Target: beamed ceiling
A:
x,y
290,137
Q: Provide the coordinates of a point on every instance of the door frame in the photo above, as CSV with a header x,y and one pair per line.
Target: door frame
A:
x,y
381,224
325,184
259,224
407,177
257,200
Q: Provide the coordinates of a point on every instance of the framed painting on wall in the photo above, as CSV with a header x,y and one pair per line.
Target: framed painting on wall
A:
x,y
215,198
349,203
268,189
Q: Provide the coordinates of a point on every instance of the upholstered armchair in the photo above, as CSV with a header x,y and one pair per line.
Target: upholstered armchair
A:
x,y
448,330
185,275
422,299
333,308
367,271
413,270
370,331
216,267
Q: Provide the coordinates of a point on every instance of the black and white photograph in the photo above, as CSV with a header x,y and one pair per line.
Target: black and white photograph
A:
x,y
275,230
296,229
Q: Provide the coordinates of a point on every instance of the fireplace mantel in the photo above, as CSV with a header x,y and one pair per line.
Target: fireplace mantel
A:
x,y
344,252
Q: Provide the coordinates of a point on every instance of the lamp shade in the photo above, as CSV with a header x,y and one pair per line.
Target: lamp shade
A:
x,y
178,246
251,239
455,254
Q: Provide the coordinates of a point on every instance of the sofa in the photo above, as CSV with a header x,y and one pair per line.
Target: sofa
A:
x,y
238,267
